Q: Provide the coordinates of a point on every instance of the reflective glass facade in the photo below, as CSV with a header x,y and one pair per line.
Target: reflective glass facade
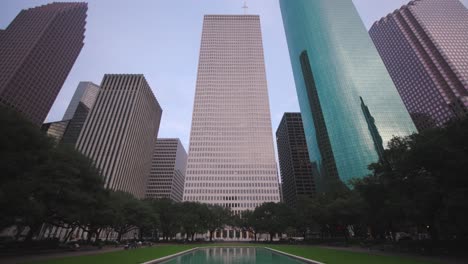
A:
x,y
350,106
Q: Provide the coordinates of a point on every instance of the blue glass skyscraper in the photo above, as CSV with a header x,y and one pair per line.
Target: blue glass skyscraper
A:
x,y
350,106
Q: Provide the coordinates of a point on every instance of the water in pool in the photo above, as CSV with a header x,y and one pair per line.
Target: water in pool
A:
x,y
233,256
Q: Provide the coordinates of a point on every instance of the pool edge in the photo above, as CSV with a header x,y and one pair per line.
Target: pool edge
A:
x,y
159,260
294,256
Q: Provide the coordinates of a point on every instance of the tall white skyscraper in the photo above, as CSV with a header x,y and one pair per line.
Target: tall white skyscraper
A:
x,y
231,156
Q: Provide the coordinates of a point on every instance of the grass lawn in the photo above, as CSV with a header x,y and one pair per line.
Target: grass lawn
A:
x,y
328,256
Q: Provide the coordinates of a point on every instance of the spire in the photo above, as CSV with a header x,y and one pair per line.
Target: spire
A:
x,y
245,7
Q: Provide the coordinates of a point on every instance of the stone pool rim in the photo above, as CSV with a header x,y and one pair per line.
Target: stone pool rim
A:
x,y
166,258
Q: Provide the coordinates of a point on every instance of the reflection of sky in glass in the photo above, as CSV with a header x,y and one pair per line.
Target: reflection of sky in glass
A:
x,y
346,66
237,255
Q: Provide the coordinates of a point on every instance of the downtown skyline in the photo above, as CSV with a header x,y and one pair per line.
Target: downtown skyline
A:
x,y
352,162
173,81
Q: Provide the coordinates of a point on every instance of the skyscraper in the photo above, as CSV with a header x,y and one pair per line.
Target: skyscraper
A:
x,y
167,176
56,130
350,106
296,168
78,110
37,51
121,130
231,158
424,46
85,94
68,130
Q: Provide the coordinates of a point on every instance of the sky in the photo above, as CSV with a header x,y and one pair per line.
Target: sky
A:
x,y
161,39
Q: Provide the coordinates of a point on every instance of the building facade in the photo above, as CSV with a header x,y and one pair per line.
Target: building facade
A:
x,y
167,176
78,110
349,104
68,130
37,51
424,47
86,93
56,130
231,159
120,132
296,169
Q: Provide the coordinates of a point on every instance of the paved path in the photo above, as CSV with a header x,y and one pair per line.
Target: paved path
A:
x,y
46,256
444,260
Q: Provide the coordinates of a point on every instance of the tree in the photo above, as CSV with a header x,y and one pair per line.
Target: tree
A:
x,y
23,148
217,218
421,181
246,222
305,216
125,209
43,182
169,216
70,187
272,218
192,219
149,218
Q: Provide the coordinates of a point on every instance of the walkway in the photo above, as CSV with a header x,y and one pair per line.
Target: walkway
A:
x,y
55,255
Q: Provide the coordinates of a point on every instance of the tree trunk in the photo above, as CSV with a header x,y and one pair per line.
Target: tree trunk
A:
x,y
119,235
32,230
211,235
140,234
67,237
98,233
346,233
434,230
107,235
90,235
19,230
271,236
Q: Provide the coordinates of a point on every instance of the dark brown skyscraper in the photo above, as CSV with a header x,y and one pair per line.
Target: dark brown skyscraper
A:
x,y
296,168
37,51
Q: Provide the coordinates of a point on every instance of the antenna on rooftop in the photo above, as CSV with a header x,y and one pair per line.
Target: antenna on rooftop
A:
x,y
245,7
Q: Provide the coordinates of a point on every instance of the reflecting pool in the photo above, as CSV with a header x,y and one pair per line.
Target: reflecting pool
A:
x,y
236,255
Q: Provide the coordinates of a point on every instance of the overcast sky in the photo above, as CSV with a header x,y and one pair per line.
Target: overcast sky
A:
x,y
161,39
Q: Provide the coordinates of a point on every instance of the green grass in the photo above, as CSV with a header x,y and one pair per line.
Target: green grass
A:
x,y
121,257
328,256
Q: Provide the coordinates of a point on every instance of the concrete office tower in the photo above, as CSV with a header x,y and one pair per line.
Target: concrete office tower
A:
x,y
56,130
425,48
296,168
167,175
349,104
231,157
82,101
121,130
85,94
68,130
37,51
